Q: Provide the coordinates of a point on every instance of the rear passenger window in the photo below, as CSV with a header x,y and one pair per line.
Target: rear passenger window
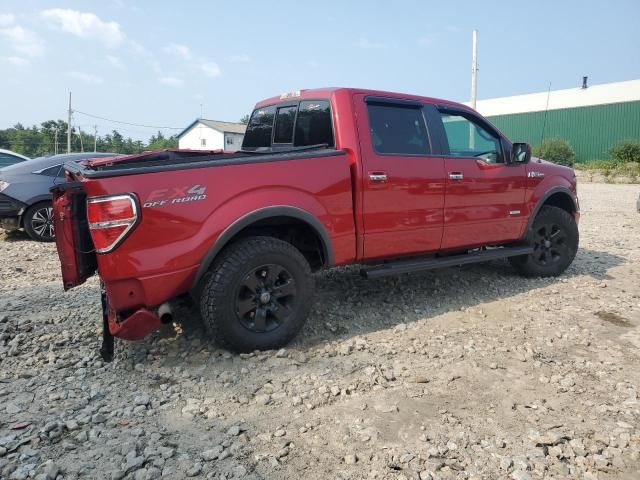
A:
x,y
398,130
313,125
53,171
258,132
284,124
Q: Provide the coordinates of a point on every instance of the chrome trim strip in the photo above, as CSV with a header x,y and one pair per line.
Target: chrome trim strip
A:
x,y
112,223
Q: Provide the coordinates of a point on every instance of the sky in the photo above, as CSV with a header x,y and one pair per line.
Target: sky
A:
x,y
163,63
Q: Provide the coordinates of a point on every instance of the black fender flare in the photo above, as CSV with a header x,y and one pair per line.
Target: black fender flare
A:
x,y
544,198
262,214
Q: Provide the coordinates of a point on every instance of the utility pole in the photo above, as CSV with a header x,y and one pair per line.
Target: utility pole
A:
x,y
80,135
474,70
69,126
474,85
55,141
95,138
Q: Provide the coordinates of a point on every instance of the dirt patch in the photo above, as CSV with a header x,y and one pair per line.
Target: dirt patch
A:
x,y
613,318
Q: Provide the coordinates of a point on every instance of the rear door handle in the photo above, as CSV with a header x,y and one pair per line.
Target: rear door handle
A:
x,y
456,175
378,177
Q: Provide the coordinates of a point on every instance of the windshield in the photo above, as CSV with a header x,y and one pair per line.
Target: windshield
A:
x,y
302,124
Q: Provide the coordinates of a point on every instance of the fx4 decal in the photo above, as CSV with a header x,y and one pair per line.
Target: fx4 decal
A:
x,y
173,195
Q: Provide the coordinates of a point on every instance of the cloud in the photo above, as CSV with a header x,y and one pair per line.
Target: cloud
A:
x,y
23,40
115,62
137,48
193,61
86,78
86,25
171,81
370,45
177,50
7,19
210,69
240,58
16,61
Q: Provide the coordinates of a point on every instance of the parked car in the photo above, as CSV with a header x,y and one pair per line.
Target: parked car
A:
x,y
25,200
7,157
328,177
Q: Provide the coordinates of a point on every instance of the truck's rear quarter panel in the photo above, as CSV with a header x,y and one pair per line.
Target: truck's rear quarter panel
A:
x,y
160,258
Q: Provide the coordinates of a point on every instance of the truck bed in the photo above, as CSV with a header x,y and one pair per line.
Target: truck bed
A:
x,y
166,160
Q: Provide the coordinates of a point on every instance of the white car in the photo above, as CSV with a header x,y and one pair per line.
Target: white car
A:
x,y
7,157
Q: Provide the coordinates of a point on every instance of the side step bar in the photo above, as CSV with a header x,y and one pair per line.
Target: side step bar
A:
x,y
432,263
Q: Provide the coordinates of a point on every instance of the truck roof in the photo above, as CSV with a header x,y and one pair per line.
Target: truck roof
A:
x,y
316,93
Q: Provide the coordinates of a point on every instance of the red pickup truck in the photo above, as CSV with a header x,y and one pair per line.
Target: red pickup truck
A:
x,y
398,183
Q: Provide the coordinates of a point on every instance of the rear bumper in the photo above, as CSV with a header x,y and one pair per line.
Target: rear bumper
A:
x,y
135,326
148,291
132,303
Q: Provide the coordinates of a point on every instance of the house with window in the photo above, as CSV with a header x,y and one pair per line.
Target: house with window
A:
x,y
203,134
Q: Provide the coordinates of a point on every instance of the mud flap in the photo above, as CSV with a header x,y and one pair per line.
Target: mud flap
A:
x,y
106,351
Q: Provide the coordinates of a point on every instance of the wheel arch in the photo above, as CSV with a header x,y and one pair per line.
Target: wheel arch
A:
x,y
268,217
32,202
560,197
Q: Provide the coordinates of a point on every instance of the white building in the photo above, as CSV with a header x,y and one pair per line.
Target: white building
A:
x,y
205,134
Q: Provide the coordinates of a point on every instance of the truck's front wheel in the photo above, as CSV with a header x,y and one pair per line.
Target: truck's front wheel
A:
x,y
258,294
554,237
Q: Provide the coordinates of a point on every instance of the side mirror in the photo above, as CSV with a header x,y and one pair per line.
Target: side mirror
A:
x,y
520,153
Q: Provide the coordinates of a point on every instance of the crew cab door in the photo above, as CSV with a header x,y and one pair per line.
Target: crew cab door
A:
x,y
484,198
402,180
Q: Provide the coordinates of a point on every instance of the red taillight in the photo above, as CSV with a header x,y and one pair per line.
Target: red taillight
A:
x,y
110,219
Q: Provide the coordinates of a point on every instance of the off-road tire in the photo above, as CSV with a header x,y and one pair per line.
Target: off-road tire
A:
x,y
33,222
225,288
554,237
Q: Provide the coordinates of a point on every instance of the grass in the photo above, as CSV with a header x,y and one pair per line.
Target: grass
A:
x,y
610,169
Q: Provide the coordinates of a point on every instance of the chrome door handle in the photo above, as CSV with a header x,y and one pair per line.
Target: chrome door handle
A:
x,y
456,176
378,177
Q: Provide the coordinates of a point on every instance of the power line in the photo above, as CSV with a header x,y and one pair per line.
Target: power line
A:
x,y
127,123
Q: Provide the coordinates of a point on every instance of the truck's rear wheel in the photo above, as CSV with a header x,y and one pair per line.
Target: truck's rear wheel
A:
x,y
554,237
258,294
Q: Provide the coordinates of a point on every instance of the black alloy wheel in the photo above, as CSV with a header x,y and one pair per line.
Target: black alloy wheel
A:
x,y
549,244
554,237
257,294
266,298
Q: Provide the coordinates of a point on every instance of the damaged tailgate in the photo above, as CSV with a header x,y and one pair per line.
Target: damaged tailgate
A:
x,y
75,248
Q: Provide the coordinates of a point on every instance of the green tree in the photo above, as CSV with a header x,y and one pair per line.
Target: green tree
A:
x,y
556,150
41,140
159,141
244,119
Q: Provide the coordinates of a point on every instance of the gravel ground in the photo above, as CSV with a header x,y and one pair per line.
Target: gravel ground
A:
x,y
468,373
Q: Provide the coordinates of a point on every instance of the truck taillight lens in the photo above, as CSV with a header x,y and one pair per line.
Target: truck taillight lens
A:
x,y
110,220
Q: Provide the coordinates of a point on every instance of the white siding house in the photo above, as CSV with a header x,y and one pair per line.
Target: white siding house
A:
x,y
205,134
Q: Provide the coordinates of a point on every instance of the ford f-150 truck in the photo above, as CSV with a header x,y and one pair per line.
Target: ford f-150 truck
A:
x,y
398,183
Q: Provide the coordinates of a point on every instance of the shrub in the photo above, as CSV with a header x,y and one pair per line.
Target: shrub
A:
x,y
597,165
625,152
556,150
